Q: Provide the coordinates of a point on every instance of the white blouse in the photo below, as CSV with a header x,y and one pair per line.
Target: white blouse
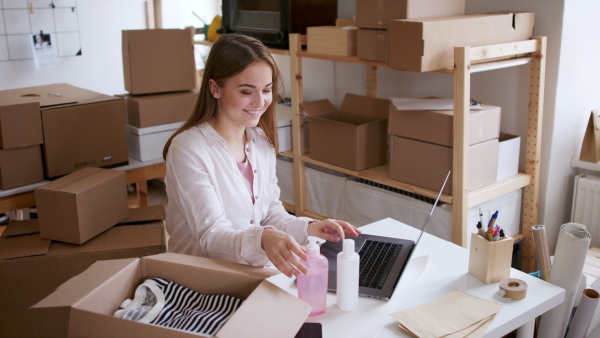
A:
x,y
210,212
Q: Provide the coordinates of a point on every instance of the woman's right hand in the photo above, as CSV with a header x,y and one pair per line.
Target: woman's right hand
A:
x,y
284,252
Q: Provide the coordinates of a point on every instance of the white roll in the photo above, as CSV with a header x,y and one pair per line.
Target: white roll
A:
x,y
571,249
583,314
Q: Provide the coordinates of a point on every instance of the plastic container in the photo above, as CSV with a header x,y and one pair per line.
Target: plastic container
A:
x,y
312,287
348,263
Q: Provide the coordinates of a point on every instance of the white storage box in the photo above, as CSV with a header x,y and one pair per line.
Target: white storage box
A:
x,y
284,128
147,143
367,202
325,189
508,156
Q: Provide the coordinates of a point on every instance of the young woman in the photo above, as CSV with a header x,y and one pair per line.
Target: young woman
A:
x,y
220,181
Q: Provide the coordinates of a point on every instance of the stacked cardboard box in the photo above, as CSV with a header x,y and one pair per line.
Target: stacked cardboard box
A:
x,y
373,16
160,77
33,267
422,144
427,44
333,40
20,139
81,128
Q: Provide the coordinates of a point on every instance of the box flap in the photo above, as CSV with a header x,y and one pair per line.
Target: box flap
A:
x,y
365,105
145,214
19,228
318,108
23,246
281,314
116,238
52,95
80,180
77,288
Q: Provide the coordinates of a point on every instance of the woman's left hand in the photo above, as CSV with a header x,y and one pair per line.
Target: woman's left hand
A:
x,y
332,230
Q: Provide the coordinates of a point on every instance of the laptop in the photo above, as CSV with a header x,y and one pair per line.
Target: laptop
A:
x,y
382,259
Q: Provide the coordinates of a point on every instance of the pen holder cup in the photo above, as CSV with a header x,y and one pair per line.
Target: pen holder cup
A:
x,y
490,262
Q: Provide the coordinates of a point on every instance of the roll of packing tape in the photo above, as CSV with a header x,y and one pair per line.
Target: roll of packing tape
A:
x,y
513,288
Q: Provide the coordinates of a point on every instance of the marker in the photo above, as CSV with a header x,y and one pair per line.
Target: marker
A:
x,y
490,235
502,236
480,229
497,234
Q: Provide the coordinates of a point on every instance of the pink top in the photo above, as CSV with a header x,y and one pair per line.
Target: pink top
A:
x,y
246,171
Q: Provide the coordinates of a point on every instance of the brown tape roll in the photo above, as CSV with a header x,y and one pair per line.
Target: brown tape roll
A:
x,y
513,288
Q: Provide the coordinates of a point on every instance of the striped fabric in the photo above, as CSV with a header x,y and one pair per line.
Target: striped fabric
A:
x,y
180,308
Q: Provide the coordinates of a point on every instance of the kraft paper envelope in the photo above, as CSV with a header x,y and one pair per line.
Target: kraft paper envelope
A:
x,y
457,314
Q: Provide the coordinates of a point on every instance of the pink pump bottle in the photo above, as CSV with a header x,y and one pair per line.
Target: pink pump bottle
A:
x,y
312,287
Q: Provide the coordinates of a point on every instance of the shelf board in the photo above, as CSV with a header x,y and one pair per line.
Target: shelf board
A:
x,y
287,154
289,208
381,174
349,59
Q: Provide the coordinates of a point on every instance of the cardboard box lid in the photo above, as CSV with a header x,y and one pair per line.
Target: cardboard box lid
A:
x,y
154,129
433,103
79,180
53,96
353,105
25,241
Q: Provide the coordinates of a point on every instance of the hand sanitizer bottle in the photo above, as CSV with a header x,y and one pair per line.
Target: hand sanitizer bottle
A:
x,y
312,287
348,263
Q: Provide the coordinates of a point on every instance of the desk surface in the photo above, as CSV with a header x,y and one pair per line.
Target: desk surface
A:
x,y
446,269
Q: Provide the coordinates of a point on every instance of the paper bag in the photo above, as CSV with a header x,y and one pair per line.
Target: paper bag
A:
x,y
590,149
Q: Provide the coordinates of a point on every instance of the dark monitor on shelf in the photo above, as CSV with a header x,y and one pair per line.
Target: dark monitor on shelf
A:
x,y
271,21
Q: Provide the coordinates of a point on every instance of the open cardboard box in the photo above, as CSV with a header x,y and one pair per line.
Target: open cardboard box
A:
x,y
31,268
353,137
85,305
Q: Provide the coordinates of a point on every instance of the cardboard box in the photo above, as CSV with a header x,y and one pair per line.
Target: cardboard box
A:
x,y
147,143
343,22
509,149
81,205
377,13
437,126
422,45
93,297
372,44
32,268
158,60
159,109
20,166
426,164
81,128
284,128
332,40
20,125
490,261
353,137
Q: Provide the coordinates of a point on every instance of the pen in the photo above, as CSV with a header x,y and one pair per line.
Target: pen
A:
x,y
497,234
493,220
480,216
502,236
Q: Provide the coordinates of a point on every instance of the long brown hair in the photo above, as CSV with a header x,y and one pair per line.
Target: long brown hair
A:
x,y
230,55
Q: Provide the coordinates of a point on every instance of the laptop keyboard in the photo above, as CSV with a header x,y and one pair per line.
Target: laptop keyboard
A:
x,y
376,260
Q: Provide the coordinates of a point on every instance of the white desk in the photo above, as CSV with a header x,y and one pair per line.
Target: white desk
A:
x,y
446,269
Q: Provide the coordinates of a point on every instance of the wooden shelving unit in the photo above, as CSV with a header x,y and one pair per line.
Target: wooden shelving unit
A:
x,y
467,60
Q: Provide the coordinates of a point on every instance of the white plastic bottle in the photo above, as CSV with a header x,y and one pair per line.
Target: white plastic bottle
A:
x,y
348,263
312,287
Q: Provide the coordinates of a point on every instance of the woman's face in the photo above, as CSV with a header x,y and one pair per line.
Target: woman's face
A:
x,y
244,97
